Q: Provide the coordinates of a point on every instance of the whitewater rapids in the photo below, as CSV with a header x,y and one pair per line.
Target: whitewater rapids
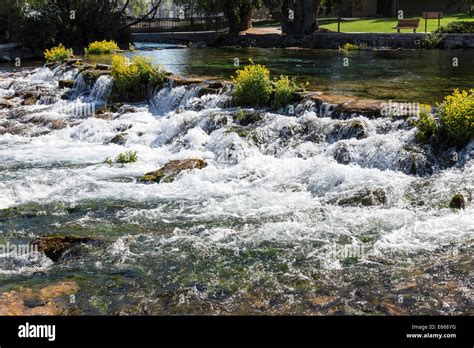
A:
x,y
250,233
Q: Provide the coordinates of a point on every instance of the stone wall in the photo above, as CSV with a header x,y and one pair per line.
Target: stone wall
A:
x,y
335,40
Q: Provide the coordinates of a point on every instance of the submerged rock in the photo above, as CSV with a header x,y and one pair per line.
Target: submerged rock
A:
x,y
49,300
248,117
365,198
119,139
342,154
457,202
54,247
171,170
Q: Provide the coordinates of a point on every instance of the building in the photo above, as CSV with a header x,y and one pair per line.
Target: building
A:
x,y
367,8
167,9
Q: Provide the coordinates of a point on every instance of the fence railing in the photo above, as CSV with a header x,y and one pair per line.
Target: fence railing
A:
x,y
169,25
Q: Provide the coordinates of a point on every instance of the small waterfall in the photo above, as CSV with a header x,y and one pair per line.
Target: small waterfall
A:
x,y
186,98
101,89
79,88
41,74
171,98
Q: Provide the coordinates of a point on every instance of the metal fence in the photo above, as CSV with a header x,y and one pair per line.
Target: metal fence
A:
x,y
170,25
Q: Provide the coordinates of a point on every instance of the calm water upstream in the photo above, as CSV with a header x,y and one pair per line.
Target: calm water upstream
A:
x,y
271,225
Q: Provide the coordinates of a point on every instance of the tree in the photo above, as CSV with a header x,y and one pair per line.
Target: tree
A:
x,y
299,16
238,12
75,23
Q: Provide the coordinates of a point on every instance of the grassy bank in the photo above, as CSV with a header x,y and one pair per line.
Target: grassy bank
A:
x,y
375,24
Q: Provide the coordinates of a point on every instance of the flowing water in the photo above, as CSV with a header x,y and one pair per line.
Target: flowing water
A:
x,y
273,224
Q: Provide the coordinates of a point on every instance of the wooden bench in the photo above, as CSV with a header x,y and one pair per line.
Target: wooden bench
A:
x,y
408,24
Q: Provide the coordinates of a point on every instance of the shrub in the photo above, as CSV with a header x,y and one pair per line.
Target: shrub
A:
x,y
285,89
431,41
58,53
427,127
252,85
129,75
457,27
127,157
102,47
456,115
456,121
350,47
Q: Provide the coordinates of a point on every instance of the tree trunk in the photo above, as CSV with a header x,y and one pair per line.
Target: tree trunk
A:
x,y
318,8
242,20
299,16
246,14
387,8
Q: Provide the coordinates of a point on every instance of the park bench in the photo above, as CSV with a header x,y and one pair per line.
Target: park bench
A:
x,y
432,15
407,24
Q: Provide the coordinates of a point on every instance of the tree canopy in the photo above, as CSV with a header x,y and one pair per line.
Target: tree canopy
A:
x,y
44,23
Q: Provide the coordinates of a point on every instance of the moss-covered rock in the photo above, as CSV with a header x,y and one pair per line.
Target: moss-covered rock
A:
x,y
119,139
55,246
66,83
247,117
365,198
171,170
207,90
457,202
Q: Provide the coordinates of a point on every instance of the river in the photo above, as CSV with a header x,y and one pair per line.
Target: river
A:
x,y
272,225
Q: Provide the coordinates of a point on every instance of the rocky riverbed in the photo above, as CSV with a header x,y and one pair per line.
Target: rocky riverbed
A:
x,y
322,207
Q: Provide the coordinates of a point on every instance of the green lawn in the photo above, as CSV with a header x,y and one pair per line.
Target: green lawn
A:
x,y
386,24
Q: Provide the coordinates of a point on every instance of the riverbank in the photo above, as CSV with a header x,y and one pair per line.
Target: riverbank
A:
x,y
331,40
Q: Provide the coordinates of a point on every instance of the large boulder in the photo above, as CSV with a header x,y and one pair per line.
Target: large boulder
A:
x,y
348,105
54,247
171,170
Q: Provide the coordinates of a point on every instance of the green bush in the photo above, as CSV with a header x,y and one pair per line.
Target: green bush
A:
x,y
285,89
127,157
130,75
456,121
431,41
252,85
456,114
350,47
58,53
102,47
457,27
